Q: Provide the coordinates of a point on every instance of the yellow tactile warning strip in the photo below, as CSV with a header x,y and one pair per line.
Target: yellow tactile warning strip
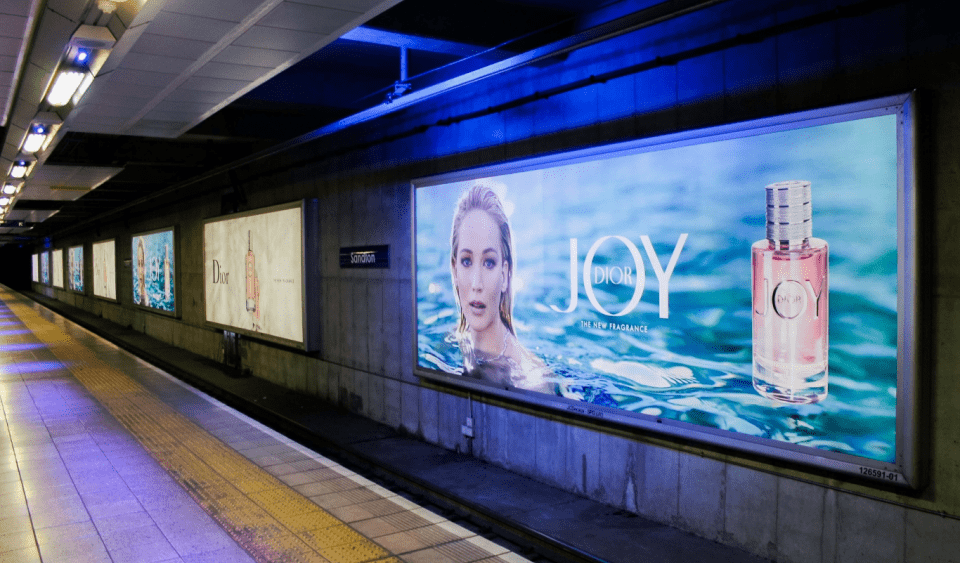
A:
x,y
270,520
266,517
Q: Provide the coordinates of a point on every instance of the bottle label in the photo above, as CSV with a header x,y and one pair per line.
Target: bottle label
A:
x,y
789,299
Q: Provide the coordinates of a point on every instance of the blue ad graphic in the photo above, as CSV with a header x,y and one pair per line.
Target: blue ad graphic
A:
x,y
153,271
695,364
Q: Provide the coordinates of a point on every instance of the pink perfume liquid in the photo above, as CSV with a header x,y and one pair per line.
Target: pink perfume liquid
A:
x,y
790,320
790,300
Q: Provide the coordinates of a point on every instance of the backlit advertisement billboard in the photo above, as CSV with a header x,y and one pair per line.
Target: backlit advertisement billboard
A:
x,y
45,268
35,268
153,257
254,267
748,285
57,263
75,268
105,269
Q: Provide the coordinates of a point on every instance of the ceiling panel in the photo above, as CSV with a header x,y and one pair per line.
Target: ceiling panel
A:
x,y
61,175
162,45
206,84
186,95
180,117
308,18
156,63
46,54
145,77
278,39
190,27
252,56
347,5
11,25
232,10
231,71
31,216
193,108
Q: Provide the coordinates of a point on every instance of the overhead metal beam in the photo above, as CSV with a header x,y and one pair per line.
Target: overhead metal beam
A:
x,y
394,39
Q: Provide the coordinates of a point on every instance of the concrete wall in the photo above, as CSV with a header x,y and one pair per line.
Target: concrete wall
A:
x,y
733,62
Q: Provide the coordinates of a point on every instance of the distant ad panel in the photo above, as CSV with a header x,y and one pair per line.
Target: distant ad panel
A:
x,y
75,268
154,270
45,268
740,286
35,268
253,273
57,268
105,269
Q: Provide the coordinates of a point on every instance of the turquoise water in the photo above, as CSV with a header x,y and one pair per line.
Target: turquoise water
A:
x,y
696,365
76,268
158,249
45,268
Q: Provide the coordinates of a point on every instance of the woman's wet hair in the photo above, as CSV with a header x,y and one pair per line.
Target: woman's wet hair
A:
x,y
481,196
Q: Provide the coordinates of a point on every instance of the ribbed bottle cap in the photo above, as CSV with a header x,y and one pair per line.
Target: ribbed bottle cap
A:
x,y
789,216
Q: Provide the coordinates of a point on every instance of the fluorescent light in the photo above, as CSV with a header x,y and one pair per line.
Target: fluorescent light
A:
x,y
36,137
4,201
19,169
64,87
87,81
10,189
34,142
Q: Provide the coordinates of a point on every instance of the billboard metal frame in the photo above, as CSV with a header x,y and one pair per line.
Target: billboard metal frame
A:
x,y
904,472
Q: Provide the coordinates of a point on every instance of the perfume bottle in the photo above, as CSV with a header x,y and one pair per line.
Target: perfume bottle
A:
x,y
251,277
790,300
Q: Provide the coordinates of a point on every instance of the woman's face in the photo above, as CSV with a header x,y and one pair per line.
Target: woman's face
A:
x,y
481,274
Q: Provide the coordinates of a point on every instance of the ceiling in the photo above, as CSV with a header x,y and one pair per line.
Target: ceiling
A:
x,y
182,87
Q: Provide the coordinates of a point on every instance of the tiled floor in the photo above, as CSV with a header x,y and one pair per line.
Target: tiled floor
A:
x,y
106,458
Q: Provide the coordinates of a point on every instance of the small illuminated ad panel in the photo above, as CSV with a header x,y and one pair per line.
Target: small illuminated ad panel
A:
x,y
254,273
35,268
75,268
57,268
749,286
153,263
105,269
45,268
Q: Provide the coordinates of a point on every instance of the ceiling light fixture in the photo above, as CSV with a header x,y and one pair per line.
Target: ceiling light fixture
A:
x,y
108,6
82,89
20,169
11,189
35,138
4,201
65,86
42,129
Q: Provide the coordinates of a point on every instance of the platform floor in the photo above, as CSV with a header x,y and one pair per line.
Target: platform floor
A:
x,y
104,457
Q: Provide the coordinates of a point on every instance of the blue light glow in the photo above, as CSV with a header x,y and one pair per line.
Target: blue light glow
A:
x,y
20,347
34,367
12,332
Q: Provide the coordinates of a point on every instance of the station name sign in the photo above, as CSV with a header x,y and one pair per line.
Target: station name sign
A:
x,y
377,256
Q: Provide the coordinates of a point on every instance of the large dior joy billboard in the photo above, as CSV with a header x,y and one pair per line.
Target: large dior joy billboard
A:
x,y
254,266
743,285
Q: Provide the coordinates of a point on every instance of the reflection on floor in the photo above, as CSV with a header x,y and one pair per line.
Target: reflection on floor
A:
x,y
106,458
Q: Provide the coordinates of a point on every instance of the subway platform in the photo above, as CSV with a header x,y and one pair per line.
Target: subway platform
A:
x,y
106,454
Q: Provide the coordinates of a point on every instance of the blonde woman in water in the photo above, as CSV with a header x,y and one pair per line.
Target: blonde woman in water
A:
x,y
482,265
